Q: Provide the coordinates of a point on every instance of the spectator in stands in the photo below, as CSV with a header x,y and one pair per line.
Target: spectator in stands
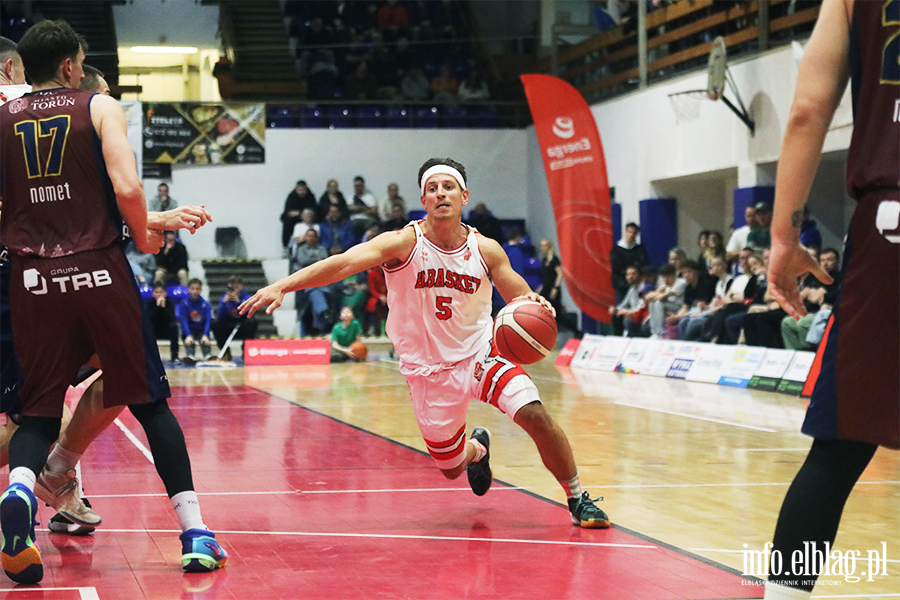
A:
x,y
228,317
142,265
361,84
297,201
161,314
162,201
662,302
551,276
715,246
698,294
721,275
195,316
444,85
353,292
627,308
172,261
337,232
628,252
518,249
730,320
405,58
363,207
473,87
486,223
310,252
332,197
345,332
414,85
392,19
387,204
376,306
307,222
738,239
677,258
398,220
372,232
760,237
794,334
810,236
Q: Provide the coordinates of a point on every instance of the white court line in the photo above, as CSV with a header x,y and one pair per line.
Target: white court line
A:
x,y
86,593
392,536
699,418
498,489
134,440
806,449
861,596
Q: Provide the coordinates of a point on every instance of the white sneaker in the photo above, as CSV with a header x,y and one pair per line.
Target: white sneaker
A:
x,y
61,491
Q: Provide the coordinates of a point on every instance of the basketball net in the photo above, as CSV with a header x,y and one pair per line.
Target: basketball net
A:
x,y
687,105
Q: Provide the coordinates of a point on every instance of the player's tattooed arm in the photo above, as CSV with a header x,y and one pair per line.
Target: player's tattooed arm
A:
x,y
797,219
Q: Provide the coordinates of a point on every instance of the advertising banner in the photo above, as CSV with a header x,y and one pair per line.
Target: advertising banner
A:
x,y
287,352
579,190
204,133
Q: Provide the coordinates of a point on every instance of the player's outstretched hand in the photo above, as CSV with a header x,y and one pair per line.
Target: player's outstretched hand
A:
x,y
188,217
535,297
787,263
270,296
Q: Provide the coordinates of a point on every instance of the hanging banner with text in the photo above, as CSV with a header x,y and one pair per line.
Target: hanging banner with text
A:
x,y
204,134
579,190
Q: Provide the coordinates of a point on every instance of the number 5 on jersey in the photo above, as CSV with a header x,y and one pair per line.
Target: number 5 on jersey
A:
x,y
28,131
443,307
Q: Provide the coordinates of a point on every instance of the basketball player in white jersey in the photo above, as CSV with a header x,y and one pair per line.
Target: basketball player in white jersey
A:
x,y
439,273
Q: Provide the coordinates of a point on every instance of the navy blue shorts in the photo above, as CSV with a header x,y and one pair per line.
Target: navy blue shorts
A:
x,y
857,394
65,310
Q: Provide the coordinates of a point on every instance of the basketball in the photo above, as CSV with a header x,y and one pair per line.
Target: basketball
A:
x,y
360,350
524,332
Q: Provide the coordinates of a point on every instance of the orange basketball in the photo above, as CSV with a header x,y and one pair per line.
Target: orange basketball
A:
x,y
360,350
524,332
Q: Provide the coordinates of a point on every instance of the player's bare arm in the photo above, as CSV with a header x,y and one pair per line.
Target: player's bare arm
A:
x,y
109,121
191,218
823,75
391,247
510,284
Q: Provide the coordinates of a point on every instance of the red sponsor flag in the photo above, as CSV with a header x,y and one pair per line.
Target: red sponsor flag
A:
x,y
579,190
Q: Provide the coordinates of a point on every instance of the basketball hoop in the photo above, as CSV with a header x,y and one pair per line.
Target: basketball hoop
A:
x,y
716,69
687,104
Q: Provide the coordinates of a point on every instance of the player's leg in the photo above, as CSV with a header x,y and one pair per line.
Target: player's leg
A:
x,y
812,508
134,375
440,409
507,387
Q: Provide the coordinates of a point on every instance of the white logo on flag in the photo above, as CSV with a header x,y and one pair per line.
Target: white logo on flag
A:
x,y
564,127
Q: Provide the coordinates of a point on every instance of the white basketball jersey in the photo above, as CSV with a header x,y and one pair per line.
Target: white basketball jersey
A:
x,y
11,92
440,305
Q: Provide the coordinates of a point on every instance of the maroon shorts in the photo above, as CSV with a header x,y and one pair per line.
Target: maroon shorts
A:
x,y
66,309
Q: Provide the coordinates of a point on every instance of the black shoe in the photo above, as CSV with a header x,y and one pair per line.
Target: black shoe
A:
x,y
479,473
60,524
584,513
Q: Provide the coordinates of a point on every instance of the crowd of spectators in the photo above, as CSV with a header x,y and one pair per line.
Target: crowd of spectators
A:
x,y
313,230
389,49
721,297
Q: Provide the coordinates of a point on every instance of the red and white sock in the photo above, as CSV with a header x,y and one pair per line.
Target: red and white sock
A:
x,y
572,487
480,450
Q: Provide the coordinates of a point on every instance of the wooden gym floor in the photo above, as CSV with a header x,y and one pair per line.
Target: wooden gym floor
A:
x,y
316,482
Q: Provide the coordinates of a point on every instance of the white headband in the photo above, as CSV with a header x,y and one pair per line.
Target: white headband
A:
x,y
443,170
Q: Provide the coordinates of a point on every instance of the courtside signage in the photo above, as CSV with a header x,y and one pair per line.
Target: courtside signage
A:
x,y
287,352
608,353
637,356
589,344
564,359
742,364
772,368
795,377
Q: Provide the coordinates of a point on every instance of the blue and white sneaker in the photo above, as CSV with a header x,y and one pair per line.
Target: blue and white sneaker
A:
x,y
200,552
19,551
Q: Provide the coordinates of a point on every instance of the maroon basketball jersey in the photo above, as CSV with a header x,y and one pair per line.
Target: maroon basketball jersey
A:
x,y
875,71
57,196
